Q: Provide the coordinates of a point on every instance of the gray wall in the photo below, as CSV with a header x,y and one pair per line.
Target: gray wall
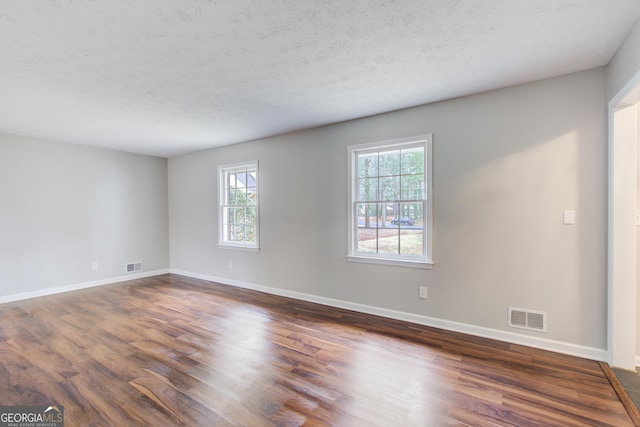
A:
x,y
506,164
625,63
64,206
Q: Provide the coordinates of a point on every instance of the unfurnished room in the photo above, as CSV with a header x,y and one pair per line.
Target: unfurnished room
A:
x,y
319,213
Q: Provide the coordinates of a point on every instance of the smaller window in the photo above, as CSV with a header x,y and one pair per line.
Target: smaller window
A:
x,y
239,206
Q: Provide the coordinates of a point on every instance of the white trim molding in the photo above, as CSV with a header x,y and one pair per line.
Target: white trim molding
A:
x,y
510,337
78,286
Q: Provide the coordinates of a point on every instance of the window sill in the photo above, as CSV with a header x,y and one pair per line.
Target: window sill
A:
x,y
239,247
389,261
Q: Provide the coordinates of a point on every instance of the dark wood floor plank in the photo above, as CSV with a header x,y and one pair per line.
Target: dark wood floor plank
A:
x,y
173,350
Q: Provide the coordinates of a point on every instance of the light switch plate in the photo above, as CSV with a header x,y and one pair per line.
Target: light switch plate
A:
x,y
569,217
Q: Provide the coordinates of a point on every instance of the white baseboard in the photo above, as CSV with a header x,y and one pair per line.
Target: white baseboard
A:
x,y
511,337
61,289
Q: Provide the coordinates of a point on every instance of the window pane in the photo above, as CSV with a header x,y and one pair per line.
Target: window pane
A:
x,y
389,163
412,187
232,180
251,196
367,215
408,231
251,231
366,240
241,179
238,229
388,240
392,213
366,227
408,215
228,229
411,242
413,161
416,212
231,191
387,233
225,225
367,189
251,234
251,215
367,165
230,215
390,188
241,196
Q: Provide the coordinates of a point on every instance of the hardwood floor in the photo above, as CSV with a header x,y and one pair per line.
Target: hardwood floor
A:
x,y
172,350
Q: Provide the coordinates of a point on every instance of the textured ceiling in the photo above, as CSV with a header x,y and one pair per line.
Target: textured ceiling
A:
x,y
164,77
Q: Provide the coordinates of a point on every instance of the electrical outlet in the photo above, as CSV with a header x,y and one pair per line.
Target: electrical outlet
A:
x,y
423,292
95,266
230,264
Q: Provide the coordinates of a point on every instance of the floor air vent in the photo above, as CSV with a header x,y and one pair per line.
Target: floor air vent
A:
x,y
528,319
134,267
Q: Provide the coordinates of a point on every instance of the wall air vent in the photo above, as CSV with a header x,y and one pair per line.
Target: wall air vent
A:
x,y
133,267
528,319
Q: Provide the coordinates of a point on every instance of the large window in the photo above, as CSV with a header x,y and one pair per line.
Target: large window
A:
x,y
390,207
239,205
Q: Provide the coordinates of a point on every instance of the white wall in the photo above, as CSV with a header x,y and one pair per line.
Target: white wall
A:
x,y
506,164
64,206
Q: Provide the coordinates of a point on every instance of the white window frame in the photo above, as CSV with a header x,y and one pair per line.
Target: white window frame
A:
x,y
222,216
426,261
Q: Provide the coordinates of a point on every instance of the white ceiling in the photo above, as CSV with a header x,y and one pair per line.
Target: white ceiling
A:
x,y
167,77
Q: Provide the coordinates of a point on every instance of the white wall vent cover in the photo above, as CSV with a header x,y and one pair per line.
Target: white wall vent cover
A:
x,y
134,267
528,319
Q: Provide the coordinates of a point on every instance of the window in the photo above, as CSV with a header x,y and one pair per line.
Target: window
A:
x,y
239,205
390,203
